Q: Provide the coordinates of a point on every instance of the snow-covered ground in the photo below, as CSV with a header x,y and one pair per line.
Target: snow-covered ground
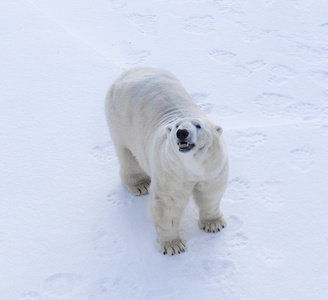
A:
x,y
68,228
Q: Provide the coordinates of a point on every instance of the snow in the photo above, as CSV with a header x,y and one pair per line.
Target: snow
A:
x,y
69,229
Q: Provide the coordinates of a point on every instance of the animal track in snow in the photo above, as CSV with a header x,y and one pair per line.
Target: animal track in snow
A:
x,y
199,24
104,153
256,65
310,54
246,142
120,289
234,223
271,194
324,112
214,271
282,70
232,15
283,106
302,110
238,190
108,246
280,74
220,111
115,198
301,159
117,4
222,56
30,296
132,56
211,270
207,108
269,2
247,69
271,257
324,130
62,284
102,290
271,104
136,57
199,97
237,241
146,23
320,78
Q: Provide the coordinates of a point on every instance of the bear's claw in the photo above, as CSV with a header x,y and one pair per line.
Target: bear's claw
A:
x,y
213,225
140,189
172,247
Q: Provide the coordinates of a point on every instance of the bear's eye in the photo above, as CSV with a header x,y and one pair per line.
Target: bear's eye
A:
x,y
198,126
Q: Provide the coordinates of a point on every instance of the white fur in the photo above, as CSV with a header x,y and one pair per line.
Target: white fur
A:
x,y
145,107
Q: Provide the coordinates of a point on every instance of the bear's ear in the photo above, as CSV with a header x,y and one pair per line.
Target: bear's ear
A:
x,y
168,129
219,130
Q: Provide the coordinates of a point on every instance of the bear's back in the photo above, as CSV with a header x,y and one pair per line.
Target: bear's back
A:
x,y
152,93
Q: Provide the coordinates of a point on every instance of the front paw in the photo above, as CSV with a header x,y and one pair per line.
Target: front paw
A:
x,y
139,189
171,247
212,225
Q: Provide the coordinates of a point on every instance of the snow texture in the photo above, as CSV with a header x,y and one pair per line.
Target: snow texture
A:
x,y
68,228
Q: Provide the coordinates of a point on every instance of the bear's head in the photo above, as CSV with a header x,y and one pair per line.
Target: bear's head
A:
x,y
192,136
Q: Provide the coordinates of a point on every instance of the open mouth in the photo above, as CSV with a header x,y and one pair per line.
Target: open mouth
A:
x,y
185,146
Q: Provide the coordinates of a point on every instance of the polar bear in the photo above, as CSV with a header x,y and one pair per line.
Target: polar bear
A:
x,y
166,145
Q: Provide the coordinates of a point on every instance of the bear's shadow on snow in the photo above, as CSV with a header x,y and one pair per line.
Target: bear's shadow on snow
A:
x,y
130,214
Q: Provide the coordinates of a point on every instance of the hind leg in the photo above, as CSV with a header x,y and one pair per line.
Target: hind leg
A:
x,y
132,175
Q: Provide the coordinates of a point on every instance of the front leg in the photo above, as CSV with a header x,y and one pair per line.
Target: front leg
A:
x,y
166,214
208,195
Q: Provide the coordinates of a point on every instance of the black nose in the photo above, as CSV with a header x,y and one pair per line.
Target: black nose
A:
x,y
182,134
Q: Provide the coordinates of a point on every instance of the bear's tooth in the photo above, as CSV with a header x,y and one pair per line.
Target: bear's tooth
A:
x,y
187,144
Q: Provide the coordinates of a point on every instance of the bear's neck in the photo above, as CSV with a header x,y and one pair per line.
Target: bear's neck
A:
x,y
191,167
